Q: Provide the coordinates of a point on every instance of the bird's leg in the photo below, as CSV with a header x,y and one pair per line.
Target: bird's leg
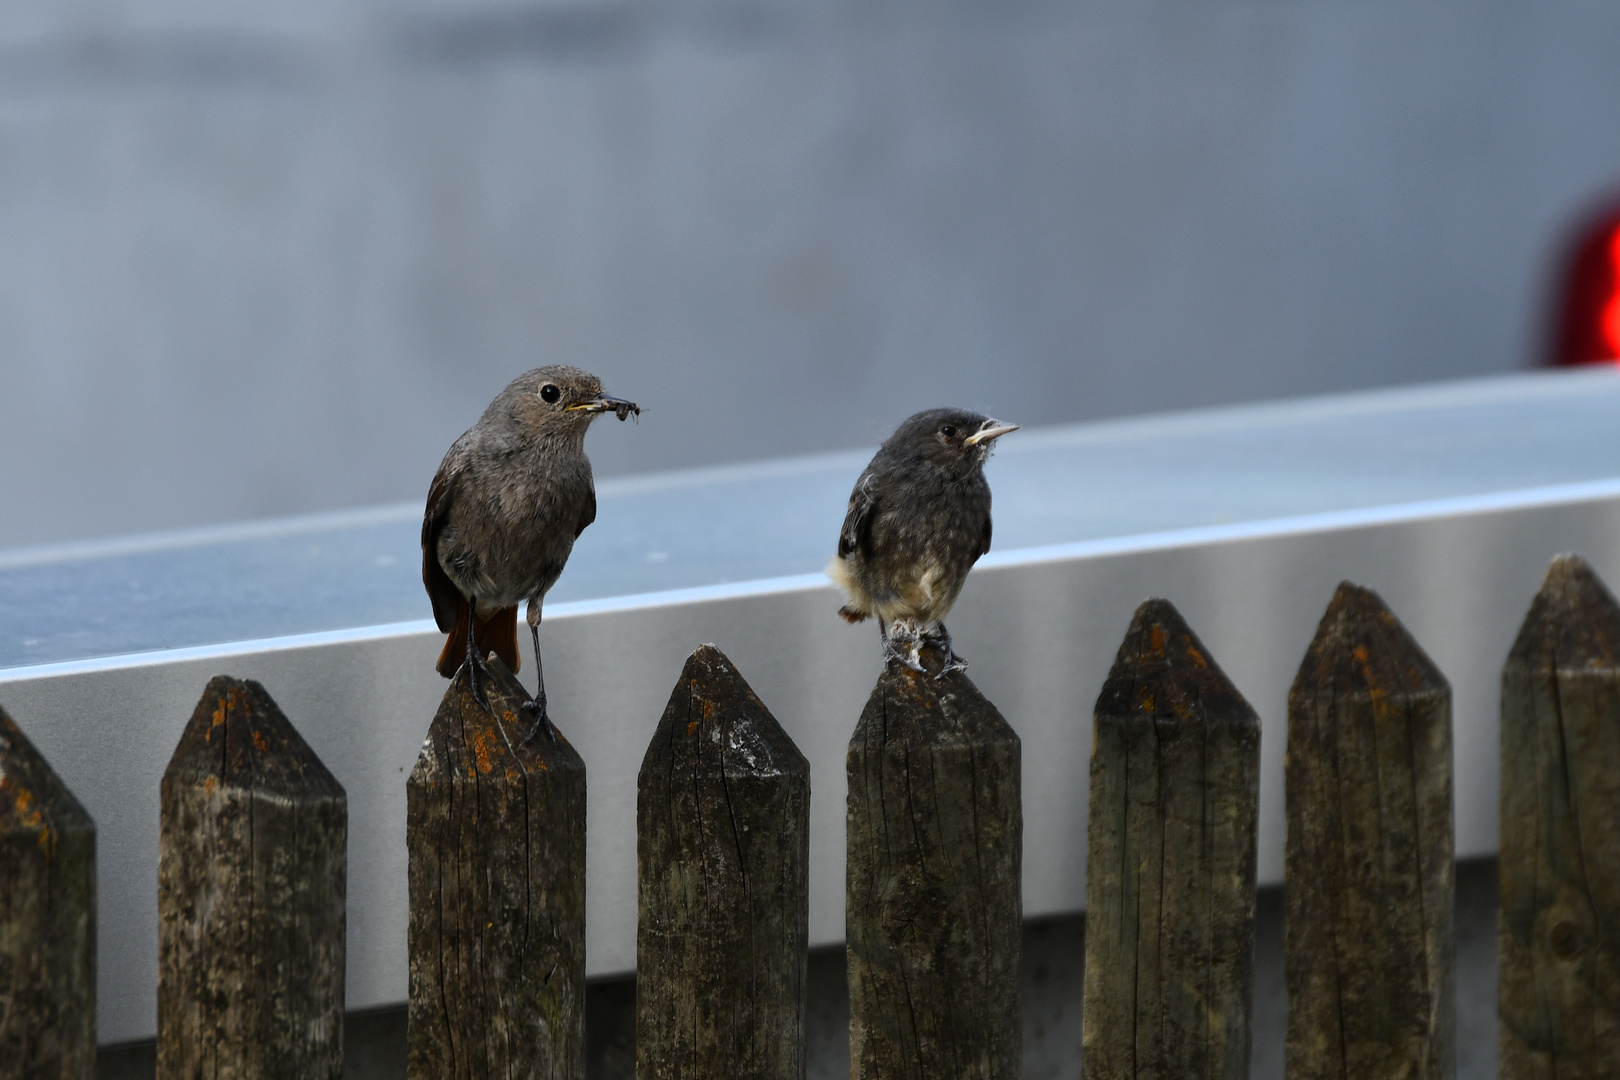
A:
x,y
952,661
903,630
885,635
475,663
914,658
537,705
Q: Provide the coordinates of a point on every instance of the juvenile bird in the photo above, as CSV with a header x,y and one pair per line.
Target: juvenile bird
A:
x,y
504,509
918,519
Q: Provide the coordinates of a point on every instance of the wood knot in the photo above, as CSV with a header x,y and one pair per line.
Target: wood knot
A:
x,y
913,907
1566,940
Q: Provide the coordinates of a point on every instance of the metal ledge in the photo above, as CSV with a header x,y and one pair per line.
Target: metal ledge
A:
x,y
1449,501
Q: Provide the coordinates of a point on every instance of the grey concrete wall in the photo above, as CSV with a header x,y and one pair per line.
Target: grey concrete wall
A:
x,y
266,258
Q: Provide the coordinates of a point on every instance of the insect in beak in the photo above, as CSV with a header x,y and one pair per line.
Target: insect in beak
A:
x,y
605,403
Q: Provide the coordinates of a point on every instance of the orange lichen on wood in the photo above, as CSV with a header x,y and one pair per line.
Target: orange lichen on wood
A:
x,y
47,918
482,740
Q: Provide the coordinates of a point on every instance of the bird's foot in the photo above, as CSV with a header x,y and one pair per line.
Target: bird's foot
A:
x,y
896,638
953,662
474,666
536,707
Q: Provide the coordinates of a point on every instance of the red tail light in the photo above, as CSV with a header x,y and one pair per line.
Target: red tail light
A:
x,y
1611,310
1589,328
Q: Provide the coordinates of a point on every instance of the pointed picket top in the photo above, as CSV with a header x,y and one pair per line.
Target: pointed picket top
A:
x,y
466,740
239,738
715,723
1573,623
932,707
1360,647
1164,671
32,798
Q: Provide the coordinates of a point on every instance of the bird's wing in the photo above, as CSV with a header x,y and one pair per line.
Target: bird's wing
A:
x,y
984,538
857,531
447,599
588,513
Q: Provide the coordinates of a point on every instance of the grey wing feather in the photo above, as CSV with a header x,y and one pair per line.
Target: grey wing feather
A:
x,y
441,590
588,514
857,530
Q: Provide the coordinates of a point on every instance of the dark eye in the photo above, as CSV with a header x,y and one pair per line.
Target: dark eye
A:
x,y
949,431
550,394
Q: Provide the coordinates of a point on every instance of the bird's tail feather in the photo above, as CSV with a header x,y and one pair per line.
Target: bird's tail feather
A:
x,y
496,634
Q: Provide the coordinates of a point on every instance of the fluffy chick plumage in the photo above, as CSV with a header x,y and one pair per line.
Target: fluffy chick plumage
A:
x,y
918,519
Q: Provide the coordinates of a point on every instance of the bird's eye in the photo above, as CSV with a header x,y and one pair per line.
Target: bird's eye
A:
x,y
549,394
949,431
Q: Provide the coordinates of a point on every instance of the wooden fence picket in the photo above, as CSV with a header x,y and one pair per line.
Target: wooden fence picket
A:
x,y
1175,783
251,886
1369,889
496,838
722,845
47,919
933,913
1558,983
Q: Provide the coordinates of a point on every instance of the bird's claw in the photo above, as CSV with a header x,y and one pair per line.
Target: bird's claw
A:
x,y
542,721
475,686
911,657
942,640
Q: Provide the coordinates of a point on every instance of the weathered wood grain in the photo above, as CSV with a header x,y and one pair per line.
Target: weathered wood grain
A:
x,y
251,882
496,832
1369,888
47,920
935,843
1558,985
722,852
1175,788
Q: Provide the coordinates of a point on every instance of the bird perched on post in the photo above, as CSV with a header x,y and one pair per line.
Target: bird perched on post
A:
x,y
504,509
918,519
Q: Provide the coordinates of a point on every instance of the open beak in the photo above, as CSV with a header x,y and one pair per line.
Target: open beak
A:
x,y
993,429
605,403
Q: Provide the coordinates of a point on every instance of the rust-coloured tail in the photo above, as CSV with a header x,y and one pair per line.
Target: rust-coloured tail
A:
x,y
496,634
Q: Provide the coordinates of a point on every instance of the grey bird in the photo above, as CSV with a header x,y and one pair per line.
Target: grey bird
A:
x,y
503,512
918,519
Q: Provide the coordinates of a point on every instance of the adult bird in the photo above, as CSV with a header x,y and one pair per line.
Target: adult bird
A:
x,y
918,519
504,509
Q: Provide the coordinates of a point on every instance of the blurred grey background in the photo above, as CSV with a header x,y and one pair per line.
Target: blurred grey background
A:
x,y
259,259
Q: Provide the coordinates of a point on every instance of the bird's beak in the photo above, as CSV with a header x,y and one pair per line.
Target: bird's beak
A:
x,y
605,403
993,429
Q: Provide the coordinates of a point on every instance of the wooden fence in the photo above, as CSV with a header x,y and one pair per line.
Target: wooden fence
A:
x,y
253,834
